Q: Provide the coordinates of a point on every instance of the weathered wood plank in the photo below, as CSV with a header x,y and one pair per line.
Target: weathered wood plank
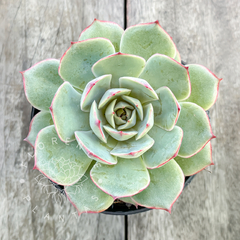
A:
x,y
205,32
31,31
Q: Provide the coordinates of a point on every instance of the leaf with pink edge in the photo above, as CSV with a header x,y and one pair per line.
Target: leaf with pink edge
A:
x,y
94,148
85,201
166,109
166,184
124,179
161,71
76,63
204,86
119,65
40,121
197,131
147,39
94,91
109,30
196,163
63,163
133,148
66,113
177,56
41,82
166,146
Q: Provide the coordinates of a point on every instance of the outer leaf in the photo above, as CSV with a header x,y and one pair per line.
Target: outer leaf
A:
x,y
41,82
161,71
133,148
146,124
66,113
63,163
140,88
165,148
124,179
166,109
76,63
109,30
166,184
94,91
196,163
119,65
94,148
205,86
196,127
86,197
120,135
96,122
177,56
128,200
40,121
112,94
147,39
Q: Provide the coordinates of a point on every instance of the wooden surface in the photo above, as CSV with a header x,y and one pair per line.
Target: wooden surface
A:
x,y
205,32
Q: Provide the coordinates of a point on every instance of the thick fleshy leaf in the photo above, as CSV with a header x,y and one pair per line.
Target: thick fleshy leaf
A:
x,y
77,61
123,104
120,135
112,94
128,177
66,113
133,148
130,122
119,120
166,109
94,91
96,122
119,65
166,184
166,146
140,89
144,126
109,113
63,163
94,148
136,103
204,86
86,201
41,82
197,162
147,39
40,121
161,71
196,128
128,200
177,56
109,30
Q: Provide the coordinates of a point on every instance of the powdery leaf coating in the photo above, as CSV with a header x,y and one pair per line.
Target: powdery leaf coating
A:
x,y
109,113
163,71
139,89
196,163
94,148
119,65
76,63
63,163
196,128
204,86
85,201
40,121
166,109
166,146
41,82
109,30
126,178
133,148
147,39
66,113
166,184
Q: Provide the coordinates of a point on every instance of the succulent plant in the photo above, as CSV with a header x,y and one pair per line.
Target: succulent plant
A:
x,y
121,117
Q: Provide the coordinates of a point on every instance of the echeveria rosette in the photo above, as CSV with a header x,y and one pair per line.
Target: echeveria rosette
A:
x,y
120,117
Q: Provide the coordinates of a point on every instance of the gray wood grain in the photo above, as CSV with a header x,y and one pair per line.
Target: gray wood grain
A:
x,y
205,32
31,31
